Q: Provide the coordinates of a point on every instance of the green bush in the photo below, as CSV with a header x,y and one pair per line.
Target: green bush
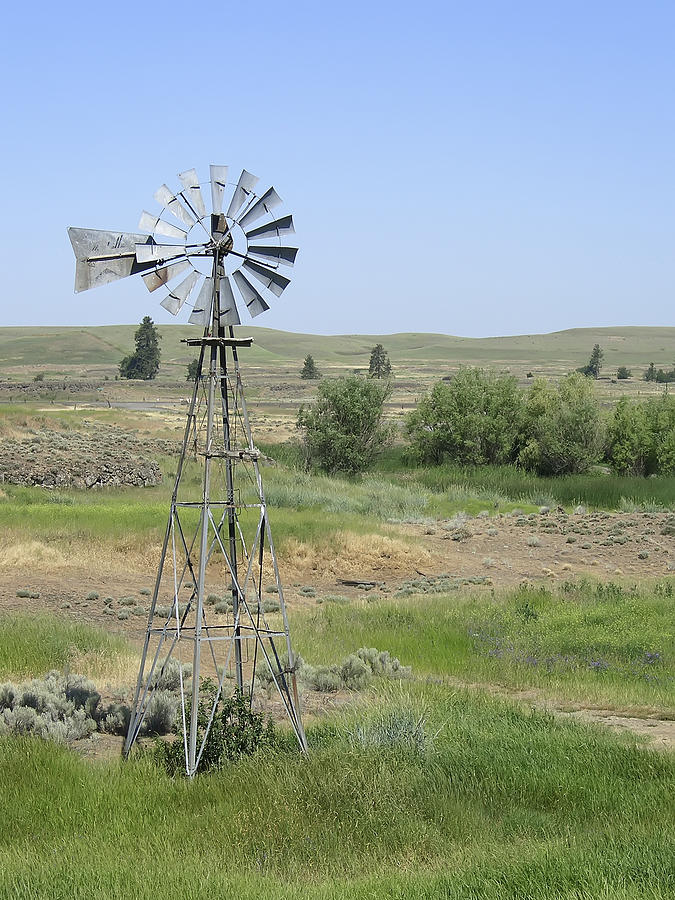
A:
x,y
641,437
343,431
562,428
473,420
236,731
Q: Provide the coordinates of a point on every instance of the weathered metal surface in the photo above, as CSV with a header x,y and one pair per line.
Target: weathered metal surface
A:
x,y
284,255
159,277
202,308
155,225
273,229
218,185
89,243
229,314
272,280
192,191
244,189
254,302
165,197
179,294
265,204
158,252
91,273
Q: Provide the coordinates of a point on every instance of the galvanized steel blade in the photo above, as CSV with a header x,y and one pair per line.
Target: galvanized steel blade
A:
x,y
254,302
272,280
273,229
91,273
218,185
166,197
201,313
155,225
284,255
156,279
159,252
179,294
269,201
244,189
89,243
193,192
229,314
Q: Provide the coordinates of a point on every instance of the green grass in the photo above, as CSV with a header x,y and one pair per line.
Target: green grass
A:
x,y
510,485
602,645
504,803
32,645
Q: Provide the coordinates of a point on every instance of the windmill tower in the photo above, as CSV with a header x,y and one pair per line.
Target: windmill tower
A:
x,y
218,542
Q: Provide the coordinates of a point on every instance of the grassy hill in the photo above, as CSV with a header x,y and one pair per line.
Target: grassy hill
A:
x,y
97,351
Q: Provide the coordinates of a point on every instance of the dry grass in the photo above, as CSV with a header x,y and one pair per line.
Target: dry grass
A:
x,y
346,552
106,558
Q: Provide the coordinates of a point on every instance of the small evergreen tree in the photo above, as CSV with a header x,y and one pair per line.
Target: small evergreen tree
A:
x,y
309,369
592,369
192,369
650,374
622,373
379,366
143,363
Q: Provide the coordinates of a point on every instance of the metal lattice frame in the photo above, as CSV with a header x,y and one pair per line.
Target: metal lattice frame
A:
x,y
222,535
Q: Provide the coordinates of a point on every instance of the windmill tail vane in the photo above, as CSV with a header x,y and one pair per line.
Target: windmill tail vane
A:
x,y
211,615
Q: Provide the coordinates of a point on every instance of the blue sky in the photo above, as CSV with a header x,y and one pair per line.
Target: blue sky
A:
x,y
473,168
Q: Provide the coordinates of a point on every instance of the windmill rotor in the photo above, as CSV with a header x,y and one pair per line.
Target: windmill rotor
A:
x,y
190,250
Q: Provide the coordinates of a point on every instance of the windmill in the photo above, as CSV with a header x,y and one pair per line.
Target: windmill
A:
x,y
218,532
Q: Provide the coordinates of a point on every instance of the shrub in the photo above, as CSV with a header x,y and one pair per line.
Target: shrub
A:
x,y
270,606
562,429
355,673
622,373
168,677
641,437
161,712
115,719
236,731
57,707
123,614
222,606
343,431
473,420
92,595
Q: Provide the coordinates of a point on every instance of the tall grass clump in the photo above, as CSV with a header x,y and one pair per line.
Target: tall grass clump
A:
x,y
33,645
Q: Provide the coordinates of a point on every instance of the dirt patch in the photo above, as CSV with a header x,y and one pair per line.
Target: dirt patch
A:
x,y
552,546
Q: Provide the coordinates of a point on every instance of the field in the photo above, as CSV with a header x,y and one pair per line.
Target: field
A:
x,y
528,753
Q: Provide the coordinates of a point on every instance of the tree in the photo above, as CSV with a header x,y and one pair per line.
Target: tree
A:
x,y
144,362
379,366
192,369
343,430
592,369
641,437
650,374
562,428
309,369
622,373
664,377
474,419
